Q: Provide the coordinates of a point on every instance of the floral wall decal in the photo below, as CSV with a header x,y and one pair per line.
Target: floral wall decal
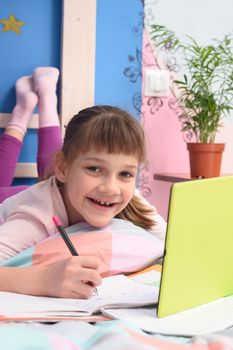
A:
x,y
134,70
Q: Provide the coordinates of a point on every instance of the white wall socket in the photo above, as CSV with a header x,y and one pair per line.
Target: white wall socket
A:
x,y
156,82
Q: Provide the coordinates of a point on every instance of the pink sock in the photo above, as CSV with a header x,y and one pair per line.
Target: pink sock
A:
x,y
45,84
26,101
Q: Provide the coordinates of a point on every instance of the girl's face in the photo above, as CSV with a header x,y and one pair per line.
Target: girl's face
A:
x,y
97,186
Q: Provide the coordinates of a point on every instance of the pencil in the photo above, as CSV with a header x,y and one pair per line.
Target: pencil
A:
x,y
68,242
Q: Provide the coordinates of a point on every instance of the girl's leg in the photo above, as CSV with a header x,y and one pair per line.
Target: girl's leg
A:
x,y
49,143
26,101
10,148
49,133
6,192
11,139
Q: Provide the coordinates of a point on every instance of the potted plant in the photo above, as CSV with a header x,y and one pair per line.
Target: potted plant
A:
x,y
206,94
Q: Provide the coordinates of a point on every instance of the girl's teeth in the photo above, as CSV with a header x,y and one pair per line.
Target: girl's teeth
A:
x,y
102,203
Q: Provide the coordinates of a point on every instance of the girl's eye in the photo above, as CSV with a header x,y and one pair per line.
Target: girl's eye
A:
x,y
94,169
126,174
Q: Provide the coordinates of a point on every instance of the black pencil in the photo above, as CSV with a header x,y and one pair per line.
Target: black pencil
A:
x,y
68,242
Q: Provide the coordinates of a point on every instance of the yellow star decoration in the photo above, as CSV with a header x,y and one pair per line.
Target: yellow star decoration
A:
x,y
11,24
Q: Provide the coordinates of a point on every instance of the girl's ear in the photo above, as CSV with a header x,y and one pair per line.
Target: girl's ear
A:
x,y
60,167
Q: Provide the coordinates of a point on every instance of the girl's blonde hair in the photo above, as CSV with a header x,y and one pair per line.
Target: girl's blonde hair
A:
x,y
113,130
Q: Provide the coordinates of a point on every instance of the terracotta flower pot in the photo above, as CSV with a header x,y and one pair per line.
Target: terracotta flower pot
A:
x,y
205,159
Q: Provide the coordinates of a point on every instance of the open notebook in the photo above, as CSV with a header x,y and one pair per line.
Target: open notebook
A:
x,y
114,292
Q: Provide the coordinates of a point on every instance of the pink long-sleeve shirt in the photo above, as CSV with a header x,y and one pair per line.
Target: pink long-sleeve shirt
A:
x,y
26,218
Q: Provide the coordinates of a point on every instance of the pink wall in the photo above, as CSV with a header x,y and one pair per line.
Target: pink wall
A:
x,y
166,147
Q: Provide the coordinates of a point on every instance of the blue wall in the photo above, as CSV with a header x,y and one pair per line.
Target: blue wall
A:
x,y
118,54
38,44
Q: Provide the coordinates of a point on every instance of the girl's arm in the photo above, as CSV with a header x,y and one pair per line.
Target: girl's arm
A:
x,y
66,279
18,233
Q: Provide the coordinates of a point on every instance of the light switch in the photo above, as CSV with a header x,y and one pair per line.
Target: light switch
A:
x,y
156,82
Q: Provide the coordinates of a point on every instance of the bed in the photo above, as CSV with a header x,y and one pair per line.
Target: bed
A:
x,y
111,245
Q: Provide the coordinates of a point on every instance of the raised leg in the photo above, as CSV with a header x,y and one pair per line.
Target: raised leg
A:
x,y
49,133
11,139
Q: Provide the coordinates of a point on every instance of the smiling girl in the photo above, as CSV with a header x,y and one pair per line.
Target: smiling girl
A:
x,y
94,181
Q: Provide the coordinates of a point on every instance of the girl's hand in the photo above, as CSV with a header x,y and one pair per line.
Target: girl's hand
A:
x,y
74,277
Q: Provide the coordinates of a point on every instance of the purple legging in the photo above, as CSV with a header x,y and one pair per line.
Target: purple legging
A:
x,y
49,142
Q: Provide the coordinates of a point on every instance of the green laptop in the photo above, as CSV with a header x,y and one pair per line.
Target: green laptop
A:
x,y
198,258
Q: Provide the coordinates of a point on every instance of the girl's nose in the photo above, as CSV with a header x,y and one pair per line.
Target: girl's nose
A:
x,y
110,186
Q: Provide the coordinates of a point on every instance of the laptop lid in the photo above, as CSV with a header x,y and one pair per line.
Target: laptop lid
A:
x,y
198,261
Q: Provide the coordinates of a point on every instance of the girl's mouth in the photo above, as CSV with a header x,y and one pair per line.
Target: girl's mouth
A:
x,y
101,203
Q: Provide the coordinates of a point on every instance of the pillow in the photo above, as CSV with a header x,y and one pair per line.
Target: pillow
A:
x,y
121,247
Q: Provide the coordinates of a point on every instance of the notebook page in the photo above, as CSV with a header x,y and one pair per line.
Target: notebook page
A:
x,y
115,291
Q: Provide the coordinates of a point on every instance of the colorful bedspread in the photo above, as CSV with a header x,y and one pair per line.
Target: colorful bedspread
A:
x,y
107,335
122,248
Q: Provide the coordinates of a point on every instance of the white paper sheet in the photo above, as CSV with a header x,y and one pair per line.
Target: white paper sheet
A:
x,y
115,291
211,317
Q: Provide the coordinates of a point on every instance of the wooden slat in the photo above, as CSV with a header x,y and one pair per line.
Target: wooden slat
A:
x,y
26,170
5,117
78,57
